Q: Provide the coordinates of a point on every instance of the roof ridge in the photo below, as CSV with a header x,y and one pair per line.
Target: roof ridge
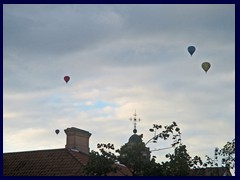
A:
x,y
34,151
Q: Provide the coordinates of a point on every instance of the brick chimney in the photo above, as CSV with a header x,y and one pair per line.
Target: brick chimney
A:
x,y
77,139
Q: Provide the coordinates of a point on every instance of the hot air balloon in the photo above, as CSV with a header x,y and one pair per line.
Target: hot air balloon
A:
x,y
206,66
191,50
57,131
66,79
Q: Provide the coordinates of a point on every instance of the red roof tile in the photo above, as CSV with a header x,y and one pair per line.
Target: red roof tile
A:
x,y
55,162
40,163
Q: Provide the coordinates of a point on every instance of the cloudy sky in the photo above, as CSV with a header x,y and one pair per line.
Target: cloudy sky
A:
x,y
120,58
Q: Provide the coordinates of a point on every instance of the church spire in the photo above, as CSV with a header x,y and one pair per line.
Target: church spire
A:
x,y
134,119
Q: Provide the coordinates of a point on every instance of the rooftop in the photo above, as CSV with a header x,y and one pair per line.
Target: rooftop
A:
x,y
54,162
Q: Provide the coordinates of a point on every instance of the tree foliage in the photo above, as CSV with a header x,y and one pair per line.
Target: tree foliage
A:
x,y
171,131
100,164
224,157
178,162
134,157
228,154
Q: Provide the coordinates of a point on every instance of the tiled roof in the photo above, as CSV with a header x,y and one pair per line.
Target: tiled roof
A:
x,y
67,162
210,171
55,162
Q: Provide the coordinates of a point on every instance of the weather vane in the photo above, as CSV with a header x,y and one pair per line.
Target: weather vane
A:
x,y
134,119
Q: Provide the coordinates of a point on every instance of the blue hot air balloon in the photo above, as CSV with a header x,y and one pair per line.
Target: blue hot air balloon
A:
x,y
191,50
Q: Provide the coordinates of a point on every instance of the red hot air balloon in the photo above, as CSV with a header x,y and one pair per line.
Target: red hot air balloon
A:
x,y
66,79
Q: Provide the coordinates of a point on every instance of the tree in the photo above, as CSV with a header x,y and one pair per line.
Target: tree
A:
x,y
100,164
171,130
134,156
178,162
228,154
225,155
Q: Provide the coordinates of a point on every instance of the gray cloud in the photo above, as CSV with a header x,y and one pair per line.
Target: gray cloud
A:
x,y
58,28
64,28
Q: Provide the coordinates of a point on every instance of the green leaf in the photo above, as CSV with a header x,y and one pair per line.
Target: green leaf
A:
x,y
151,130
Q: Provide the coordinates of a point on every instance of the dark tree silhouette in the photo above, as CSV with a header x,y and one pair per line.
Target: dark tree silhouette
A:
x,y
133,156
